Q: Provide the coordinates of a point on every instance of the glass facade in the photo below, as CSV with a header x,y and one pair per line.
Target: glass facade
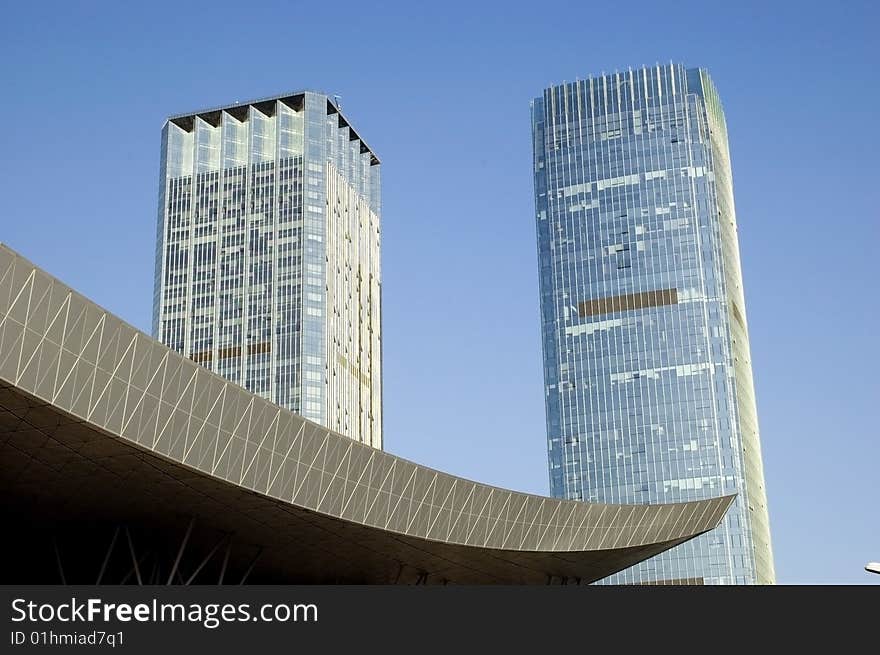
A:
x,y
648,380
267,256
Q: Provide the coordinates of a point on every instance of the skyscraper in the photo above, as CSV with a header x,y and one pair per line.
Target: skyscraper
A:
x,y
648,379
267,256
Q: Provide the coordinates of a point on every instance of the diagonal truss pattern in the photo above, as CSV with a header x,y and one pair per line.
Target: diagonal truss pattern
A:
x,y
64,349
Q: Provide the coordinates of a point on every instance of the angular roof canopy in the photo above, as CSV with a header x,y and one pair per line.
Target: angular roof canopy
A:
x,y
102,425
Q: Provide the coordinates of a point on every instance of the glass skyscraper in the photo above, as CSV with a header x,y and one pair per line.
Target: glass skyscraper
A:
x,y
267,256
648,379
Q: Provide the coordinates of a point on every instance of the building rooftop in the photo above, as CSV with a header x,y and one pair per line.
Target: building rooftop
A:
x,y
294,100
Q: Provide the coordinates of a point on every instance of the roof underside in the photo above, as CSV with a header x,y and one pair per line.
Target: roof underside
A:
x,y
61,476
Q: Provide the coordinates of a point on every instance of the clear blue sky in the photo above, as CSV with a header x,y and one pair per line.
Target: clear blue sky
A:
x,y
441,91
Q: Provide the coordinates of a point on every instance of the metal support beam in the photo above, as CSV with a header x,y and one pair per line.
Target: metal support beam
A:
x,y
251,567
134,568
225,562
180,551
58,560
134,559
107,556
207,558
